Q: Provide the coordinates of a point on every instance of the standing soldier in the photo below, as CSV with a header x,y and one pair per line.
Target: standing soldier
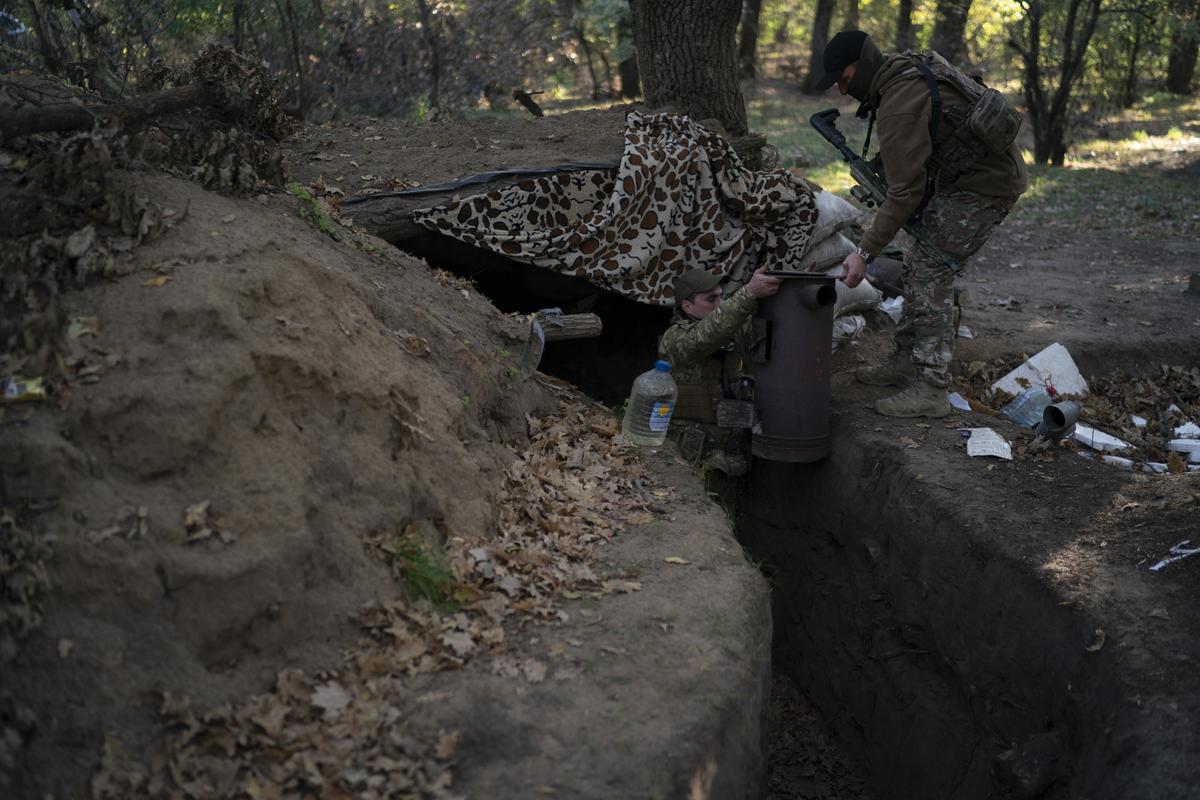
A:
x,y
946,142
706,346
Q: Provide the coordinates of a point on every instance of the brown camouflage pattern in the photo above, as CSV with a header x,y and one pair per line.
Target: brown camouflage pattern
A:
x,y
959,223
681,198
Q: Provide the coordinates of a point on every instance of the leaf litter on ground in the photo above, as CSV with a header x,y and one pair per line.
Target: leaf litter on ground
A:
x,y
343,732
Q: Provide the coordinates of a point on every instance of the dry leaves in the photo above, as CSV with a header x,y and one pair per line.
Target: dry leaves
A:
x,y
341,737
343,733
201,525
1165,398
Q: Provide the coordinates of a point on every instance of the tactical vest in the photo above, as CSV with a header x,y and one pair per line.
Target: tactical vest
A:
x,y
986,124
696,401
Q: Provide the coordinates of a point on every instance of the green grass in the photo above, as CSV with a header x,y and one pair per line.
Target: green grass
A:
x,y
310,211
1144,203
424,570
1132,169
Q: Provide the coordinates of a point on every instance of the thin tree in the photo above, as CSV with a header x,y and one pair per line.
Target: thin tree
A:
x,y
1185,41
950,30
51,39
687,55
1048,105
905,36
287,19
852,19
627,68
1129,85
748,44
822,18
435,53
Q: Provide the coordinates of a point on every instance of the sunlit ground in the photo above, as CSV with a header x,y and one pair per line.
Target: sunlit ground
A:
x,y
1133,170
1136,170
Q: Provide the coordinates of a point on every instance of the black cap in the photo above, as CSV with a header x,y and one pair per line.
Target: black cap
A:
x,y
843,50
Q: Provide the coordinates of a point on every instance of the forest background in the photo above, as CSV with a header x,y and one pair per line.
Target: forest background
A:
x,y
1106,85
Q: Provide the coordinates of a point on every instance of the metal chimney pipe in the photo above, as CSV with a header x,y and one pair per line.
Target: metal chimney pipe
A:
x,y
1058,420
791,351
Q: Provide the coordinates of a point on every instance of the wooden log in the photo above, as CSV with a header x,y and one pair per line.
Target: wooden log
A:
x,y
70,117
560,327
526,99
390,217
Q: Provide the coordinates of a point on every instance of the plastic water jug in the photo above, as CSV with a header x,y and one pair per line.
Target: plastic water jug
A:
x,y
651,402
1027,408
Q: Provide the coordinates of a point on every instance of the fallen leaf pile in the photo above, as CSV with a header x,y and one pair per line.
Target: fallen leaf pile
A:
x,y
568,493
564,496
328,737
1115,397
100,212
343,733
234,158
1166,398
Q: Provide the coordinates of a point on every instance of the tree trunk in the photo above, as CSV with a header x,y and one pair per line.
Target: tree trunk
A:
x,y
784,30
435,53
748,45
591,61
950,30
1129,92
287,17
904,27
50,38
851,22
628,67
1181,64
239,11
1048,108
820,37
687,55
608,76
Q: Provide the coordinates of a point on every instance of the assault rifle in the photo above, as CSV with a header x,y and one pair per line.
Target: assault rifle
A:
x,y
870,186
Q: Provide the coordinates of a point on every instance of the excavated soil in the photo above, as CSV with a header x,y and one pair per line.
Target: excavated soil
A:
x,y
943,614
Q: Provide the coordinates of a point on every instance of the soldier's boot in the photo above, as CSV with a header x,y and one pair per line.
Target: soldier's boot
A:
x,y
896,371
920,399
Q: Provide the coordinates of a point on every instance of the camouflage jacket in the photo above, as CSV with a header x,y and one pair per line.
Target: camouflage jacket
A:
x,y
689,342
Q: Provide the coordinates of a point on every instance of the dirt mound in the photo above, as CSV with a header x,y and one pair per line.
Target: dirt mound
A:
x,y
312,392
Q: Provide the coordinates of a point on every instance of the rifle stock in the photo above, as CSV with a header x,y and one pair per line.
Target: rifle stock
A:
x,y
870,187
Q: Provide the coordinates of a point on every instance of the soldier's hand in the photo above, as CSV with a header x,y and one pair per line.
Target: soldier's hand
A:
x,y
762,285
854,269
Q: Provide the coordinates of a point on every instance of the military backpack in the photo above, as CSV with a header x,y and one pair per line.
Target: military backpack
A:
x,y
987,123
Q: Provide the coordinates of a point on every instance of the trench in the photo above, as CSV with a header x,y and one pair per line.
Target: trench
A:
x,y
912,661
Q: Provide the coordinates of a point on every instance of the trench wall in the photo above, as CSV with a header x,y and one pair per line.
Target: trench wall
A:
x,y
938,653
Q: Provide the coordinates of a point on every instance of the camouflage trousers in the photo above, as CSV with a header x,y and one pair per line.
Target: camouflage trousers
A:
x,y
959,223
711,447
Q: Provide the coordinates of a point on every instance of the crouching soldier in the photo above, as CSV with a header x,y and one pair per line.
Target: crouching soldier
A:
x,y
706,347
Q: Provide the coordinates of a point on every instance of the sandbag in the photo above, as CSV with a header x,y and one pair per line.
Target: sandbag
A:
x,y
861,298
826,253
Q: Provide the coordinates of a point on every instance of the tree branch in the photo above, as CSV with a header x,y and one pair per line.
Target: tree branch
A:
x,y
71,117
